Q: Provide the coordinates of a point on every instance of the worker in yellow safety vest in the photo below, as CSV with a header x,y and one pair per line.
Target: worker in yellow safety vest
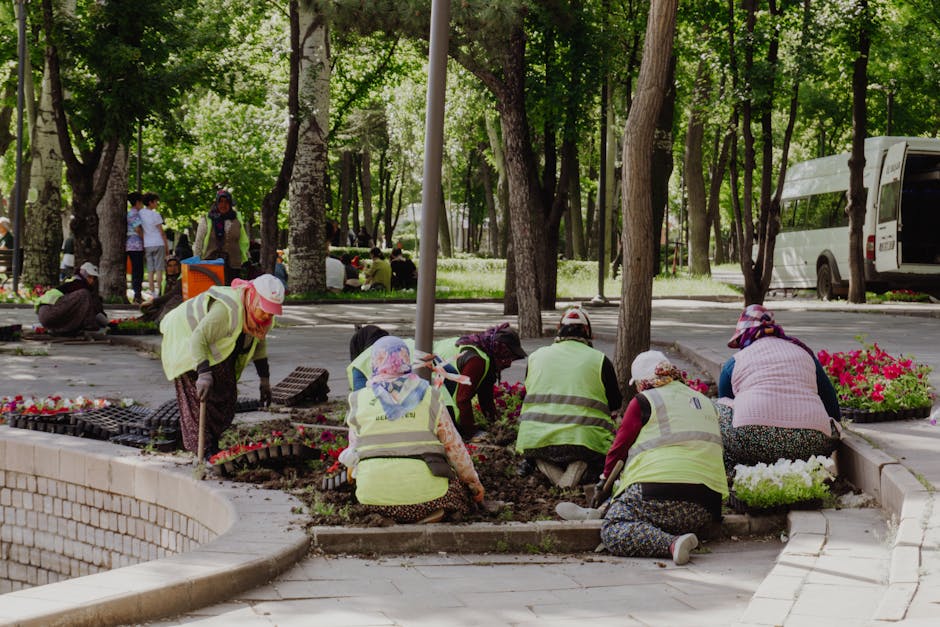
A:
x,y
565,426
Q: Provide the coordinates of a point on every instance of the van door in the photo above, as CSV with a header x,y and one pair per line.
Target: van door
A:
x,y
887,251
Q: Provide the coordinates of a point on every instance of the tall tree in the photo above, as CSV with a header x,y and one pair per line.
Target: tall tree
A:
x,y
156,47
309,192
758,85
633,329
272,200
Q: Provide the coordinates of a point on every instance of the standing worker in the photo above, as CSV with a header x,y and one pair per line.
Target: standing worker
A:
x,y
207,341
221,235
571,388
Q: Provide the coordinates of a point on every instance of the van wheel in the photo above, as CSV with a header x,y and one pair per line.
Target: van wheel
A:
x,y
824,287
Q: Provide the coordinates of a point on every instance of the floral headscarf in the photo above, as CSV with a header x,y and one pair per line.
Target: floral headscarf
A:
x,y
398,389
664,374
251,301
757,322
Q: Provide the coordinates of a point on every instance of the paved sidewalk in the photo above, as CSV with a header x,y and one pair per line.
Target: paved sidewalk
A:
x,y
837,569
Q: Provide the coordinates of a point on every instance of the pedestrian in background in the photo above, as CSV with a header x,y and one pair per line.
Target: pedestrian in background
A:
x,y
156,246
134,245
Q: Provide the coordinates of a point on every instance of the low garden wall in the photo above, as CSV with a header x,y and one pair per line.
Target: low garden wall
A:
x,y
92,533
70,508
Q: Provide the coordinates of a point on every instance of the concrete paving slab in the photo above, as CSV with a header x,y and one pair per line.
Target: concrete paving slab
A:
x,y
913,443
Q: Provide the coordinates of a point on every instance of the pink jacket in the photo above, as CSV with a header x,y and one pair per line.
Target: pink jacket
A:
x,y
774,384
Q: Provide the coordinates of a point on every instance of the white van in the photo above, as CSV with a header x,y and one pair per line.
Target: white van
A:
x,y
902,220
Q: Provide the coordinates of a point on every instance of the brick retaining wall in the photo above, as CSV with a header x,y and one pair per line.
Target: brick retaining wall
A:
x,y
70,508
52,530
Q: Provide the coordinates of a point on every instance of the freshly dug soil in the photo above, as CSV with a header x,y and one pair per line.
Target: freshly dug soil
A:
x,y
509,497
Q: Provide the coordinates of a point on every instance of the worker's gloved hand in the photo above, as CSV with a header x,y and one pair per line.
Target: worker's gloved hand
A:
x,y
204,385
265,391
599,495
101,319
478,493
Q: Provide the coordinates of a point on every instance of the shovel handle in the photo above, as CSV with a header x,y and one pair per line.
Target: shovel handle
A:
x,y
202,432
614,474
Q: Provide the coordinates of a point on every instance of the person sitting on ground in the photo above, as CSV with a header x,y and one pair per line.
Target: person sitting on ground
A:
x,y
351,282
208,341
410,463
335,274
171,296
571,390
379,272
404,271
6,234
776,401
482,357
74,306
673,481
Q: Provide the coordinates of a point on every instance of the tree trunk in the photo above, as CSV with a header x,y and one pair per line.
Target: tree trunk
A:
x,y
365,181
308,192
857,191
500,226
271,203
443,229
43,229
695,176
662,161
345,181
633,331
716,176
574,211
553,223
112,217
489,195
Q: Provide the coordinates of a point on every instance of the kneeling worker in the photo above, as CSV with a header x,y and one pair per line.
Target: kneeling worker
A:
x,y
674,479
571,389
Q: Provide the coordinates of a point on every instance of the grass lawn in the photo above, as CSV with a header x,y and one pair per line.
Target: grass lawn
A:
x,y
485,278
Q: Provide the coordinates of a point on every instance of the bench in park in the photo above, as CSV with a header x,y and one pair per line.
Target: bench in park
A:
x,y
6,265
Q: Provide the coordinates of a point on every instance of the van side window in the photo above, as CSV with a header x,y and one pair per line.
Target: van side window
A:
x,y
888,203
825,211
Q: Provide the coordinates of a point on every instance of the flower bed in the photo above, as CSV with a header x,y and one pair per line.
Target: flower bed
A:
x,y
784,485
872,385
132,326
284,445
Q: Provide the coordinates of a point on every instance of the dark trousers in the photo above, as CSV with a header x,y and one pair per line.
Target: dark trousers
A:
x,y
137,271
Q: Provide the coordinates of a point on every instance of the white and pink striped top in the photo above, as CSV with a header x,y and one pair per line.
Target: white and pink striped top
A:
x,y
774,384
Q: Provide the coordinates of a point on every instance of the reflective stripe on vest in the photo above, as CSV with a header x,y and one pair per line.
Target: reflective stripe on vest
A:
x,y
384,438
681,442
179,325
566,400
479,351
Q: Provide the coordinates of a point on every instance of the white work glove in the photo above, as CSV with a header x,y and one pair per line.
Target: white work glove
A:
x,y
203,385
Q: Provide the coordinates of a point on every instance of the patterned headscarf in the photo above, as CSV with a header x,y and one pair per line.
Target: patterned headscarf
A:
x,y
499,342
251,301
757,322
664,374
398,389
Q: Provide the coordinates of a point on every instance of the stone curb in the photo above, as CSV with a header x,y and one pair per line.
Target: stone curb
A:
x,y
899,493
259,537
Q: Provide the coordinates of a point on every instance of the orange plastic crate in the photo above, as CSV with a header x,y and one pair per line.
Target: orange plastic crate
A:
x,y
198,277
